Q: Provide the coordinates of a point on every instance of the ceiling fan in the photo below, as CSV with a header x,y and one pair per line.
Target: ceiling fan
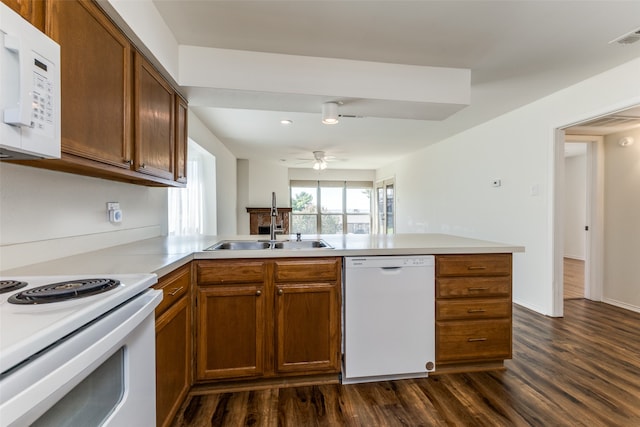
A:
x,y
320,160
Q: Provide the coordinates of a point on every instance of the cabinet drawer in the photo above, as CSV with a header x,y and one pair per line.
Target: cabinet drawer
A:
x,y
308,270
473,340
173,287
455,287
473,309
244,271
473,265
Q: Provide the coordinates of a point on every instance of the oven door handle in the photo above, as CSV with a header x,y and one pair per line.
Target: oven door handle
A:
x,y
24,400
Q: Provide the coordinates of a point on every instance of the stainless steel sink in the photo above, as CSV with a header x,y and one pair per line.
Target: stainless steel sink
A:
x,y
247,245
239,245
302,244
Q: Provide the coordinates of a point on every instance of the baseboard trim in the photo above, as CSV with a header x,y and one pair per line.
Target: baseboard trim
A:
x,y
621,304
265,383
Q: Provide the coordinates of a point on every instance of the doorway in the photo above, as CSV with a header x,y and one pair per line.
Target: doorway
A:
x,y
591,221
385,206
575,218
591,131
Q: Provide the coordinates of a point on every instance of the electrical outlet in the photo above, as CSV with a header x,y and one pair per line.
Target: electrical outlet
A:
x,y
114,214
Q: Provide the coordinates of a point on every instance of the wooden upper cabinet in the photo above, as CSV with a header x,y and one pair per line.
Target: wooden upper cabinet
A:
x,y
95,82
154,121
182,111
118,112
31,10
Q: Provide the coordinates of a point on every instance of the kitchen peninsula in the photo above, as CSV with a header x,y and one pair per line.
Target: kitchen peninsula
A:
x,y
271,298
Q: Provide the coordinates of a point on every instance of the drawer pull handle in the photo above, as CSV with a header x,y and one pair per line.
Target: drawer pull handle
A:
x,y
476,339
477,289
476,310
476,267
175,291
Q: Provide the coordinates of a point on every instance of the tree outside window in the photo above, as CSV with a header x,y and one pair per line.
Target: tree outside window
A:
x,y
345,207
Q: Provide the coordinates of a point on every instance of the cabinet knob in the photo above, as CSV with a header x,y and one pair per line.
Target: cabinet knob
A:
x,y
128,161
142,165
280,292
258,293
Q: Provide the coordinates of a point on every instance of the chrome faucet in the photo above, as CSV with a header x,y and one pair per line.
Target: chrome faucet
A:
x,y
273,228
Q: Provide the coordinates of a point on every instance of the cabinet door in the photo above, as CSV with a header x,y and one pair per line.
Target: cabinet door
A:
x,y
154,121
307,327
182,111
173,360
31,10
230,341
95,84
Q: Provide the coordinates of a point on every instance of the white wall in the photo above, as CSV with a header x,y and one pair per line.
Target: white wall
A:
x,y
256,181
622,222
575,207
46,215
447,188
225,174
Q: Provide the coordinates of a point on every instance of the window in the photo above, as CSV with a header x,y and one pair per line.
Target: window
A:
x,y
345,207
385,206
192,209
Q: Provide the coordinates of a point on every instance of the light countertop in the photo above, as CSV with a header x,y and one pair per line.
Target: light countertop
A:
x,y
162,255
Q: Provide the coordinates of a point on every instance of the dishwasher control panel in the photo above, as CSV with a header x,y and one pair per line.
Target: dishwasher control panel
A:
x,y
390,261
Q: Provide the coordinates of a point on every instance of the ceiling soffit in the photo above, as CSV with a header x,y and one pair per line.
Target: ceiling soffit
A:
x,y
237,79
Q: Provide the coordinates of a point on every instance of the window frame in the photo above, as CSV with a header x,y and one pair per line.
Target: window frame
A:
x,y
344,214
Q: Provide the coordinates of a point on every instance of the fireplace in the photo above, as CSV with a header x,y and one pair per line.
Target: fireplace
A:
x,y
260,220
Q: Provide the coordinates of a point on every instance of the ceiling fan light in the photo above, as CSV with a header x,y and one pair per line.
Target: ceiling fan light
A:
x,y
330,113
319,165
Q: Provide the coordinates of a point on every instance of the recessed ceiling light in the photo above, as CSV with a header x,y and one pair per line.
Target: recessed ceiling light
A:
x,y
286,122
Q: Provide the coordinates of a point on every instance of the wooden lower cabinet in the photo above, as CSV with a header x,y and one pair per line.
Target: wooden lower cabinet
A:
x,y
473,311
173,345
285,324
230,331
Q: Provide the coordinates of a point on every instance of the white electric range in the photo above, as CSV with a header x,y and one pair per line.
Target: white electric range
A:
x,y
88,359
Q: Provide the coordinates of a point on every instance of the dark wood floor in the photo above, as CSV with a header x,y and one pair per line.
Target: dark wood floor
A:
x,y
581,370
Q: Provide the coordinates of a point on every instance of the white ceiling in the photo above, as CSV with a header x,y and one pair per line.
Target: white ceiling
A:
x,y
517,51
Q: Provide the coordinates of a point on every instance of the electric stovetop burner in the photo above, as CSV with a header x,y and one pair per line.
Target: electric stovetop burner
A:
x,y
63,291
11,285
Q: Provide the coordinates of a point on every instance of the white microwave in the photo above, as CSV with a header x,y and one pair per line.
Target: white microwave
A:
x,y
29,90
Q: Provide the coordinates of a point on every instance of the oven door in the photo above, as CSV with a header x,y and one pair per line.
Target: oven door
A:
x,y
101,375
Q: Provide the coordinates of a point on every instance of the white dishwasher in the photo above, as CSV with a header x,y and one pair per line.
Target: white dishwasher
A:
x,y
389,318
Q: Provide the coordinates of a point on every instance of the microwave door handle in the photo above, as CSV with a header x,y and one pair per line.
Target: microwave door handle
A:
x,y
21,115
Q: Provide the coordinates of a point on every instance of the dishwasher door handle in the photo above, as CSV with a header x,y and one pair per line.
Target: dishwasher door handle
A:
x,y
388,271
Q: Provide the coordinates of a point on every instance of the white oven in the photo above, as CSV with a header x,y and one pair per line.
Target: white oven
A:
x,y
80,362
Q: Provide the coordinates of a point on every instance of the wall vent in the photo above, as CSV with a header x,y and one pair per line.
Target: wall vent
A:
x,y
628,38
610,121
